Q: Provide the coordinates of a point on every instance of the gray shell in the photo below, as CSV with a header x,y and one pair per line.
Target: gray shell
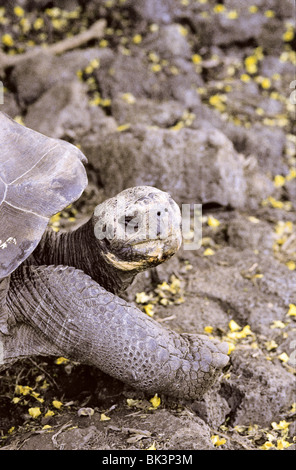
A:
x,y
39,176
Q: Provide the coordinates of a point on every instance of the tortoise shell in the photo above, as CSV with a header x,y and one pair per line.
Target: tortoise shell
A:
x,y
39,176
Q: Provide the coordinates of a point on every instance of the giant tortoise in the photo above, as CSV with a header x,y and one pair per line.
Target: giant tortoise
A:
x,y
60,292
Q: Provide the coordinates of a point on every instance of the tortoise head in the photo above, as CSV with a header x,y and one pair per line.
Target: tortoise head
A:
x,y
138,229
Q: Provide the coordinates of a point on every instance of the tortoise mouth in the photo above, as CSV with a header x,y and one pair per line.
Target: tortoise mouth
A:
x,y
159,248
144,254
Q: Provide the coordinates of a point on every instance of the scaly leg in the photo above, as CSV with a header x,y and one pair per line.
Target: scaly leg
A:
x,y
71,315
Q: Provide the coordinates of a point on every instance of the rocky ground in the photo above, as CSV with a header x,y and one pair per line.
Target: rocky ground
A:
x,y
195,97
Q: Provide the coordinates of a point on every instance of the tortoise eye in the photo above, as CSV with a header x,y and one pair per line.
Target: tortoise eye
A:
x,y
130,222
127,220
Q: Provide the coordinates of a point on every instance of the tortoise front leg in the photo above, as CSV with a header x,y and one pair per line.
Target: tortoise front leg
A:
x,y
84,322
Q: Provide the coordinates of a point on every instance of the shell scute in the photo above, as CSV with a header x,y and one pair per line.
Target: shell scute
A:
x,y
39,176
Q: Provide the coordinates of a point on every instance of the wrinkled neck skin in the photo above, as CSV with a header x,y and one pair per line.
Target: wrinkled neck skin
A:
x,y
82,250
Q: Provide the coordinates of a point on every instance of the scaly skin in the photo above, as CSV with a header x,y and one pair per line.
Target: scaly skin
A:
x,y
114,262
61,310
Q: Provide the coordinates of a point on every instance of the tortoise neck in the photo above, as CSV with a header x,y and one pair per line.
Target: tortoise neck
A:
x,y
82,250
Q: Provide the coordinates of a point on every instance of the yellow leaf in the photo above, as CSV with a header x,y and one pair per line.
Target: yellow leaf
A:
x,y
293,408
7,40
208,329
284,357
245,77
95,63
57,404
152,447
155,401
38,24
292,310
217,440
232,14
103,43
271,345
137,39
36,395
182,30
233,326
266,83
212,222
196,59
156,68
219,8
49,413
61,360
154,27
128,98
149,309
153,57
179,125
283,444
254,220
269,13
282,425
23,389
34,412
208,252
142,298
288,35
267,445
123,127
277,324
251,64
132,402
231,347
104,417
18,11
16,400
279,181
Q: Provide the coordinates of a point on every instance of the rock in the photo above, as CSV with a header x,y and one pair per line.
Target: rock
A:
x,y
265,143
254,289
213,408
283,9
169,42
271,63
240,30
129,74
9,105
69,439
62,111
148,112
244,233
258,390
135,74
83,439
154,10
36,75
183,432
291,191
195,166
